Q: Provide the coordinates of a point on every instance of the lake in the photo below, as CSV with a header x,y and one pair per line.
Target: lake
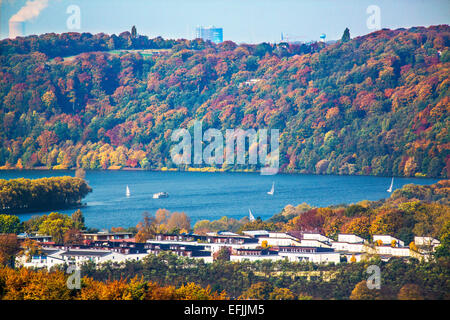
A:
x,y
211,195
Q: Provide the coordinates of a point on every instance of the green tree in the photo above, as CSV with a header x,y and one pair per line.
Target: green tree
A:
x,y
223,254
134,32
78,220
10,224
56,225
346,35
443,250
32,224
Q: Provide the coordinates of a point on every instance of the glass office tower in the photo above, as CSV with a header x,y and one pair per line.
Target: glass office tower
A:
x,y
210,33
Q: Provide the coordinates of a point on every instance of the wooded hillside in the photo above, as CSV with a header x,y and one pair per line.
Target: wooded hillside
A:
x,y
376,105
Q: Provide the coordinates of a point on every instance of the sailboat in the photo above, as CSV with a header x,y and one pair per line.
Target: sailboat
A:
x,y
272,190
127,192
251,217
392,184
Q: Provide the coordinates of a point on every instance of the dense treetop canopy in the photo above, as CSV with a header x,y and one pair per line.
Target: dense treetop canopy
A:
x,y
376,104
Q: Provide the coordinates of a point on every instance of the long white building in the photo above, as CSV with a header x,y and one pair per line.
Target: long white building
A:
x,y
253,245
76,257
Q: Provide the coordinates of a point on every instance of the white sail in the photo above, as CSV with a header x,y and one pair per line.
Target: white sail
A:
x,y
392,184
272,190
128,192
251,217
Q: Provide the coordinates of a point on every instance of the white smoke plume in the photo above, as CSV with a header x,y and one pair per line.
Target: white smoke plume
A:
x,y
30,10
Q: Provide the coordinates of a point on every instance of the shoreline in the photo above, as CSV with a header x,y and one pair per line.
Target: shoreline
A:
x,y
209,170
31,211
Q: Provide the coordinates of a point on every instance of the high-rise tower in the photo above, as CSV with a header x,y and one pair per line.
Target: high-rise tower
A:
x,y
211,33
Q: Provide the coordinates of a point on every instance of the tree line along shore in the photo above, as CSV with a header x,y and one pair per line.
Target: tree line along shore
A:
x,y
412,210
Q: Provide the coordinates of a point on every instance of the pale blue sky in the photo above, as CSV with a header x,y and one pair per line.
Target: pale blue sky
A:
x,y
250,21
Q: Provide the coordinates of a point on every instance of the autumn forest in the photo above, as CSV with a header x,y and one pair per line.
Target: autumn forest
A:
x,y
377,104
374,105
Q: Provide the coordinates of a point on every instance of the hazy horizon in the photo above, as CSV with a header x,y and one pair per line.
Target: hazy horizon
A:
x,y
250,21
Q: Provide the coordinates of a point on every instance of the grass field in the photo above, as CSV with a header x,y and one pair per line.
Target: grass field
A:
x,y
143,52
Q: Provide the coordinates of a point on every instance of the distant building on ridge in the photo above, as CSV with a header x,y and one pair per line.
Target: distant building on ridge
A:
x,y
211,33
323,36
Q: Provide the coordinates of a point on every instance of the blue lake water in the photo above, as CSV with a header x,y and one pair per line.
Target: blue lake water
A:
x,y
212,195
